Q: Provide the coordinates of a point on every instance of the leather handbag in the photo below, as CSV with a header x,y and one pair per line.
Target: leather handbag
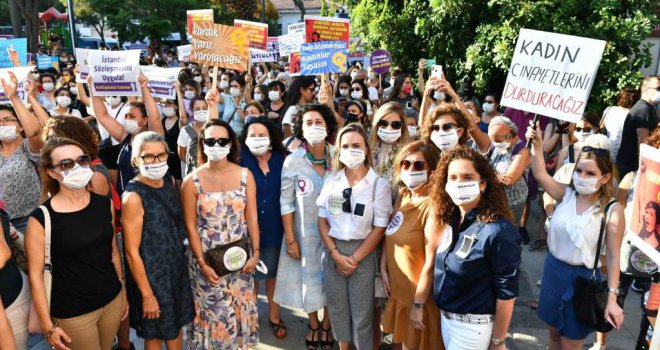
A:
x,y
590,297
34,323
227,258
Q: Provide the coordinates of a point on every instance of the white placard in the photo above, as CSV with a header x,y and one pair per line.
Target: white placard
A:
x,y
258,57
83,65
161,81
552,74
184,53
21,74
297,29
290,43
115,73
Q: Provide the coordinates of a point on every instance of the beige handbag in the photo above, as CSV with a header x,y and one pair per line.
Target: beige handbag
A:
x,y
34,324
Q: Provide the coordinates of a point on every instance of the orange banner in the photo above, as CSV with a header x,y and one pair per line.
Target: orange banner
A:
x,y
220,45
257,32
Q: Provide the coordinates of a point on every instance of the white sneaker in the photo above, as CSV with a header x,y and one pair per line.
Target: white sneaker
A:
x,y
598,346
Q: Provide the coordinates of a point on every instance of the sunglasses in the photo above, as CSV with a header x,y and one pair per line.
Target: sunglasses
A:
x,y
222,141
444,127
579,129
600,152
396,125
417,165
356,89
346,206
68,164
150,158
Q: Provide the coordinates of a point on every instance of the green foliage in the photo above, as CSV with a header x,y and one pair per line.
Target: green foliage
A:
x,y
474,39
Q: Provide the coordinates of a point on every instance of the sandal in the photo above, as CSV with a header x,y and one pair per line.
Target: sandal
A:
x,y
279,328
326,344
312,344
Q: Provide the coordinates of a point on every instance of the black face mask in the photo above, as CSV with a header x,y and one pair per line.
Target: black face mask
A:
x,y
352,118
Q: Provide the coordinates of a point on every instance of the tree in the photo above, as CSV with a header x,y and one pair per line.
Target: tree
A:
x,y
92,13
29,10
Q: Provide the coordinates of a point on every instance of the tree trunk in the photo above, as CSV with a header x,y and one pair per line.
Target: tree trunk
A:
x,y
28,9
15,19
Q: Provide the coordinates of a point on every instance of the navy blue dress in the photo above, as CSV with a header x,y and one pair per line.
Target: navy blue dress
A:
x,y
164,256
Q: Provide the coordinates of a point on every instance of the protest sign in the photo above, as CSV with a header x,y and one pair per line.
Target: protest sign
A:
x,y
323,57
220,45
552,74
289,43
294,64
257,34
183,53
22,77
18,45
114,73
297,29
273,45
258,57
380,61
161,81
198,16
83,64
45,62
326,29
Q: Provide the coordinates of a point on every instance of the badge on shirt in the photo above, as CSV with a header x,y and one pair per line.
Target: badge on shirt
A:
x,y
466,246
304,186
334,204
394,225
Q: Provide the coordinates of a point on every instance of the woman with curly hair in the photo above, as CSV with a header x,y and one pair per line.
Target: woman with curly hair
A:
x,y
477,260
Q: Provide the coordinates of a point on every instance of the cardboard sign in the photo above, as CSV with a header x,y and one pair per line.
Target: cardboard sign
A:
x,y
297,29
323,57
115,73
552,74
45,62
294,64
198,16
22,74
289,43
161,81
257,34
220,45
381,61
183,53
83,64
326,29
18,45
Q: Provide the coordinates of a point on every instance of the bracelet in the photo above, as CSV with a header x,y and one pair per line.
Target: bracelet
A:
x,y
332,250
52,329
291,243
354,259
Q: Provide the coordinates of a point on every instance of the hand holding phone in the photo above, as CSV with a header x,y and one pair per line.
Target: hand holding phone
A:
x,y
437,71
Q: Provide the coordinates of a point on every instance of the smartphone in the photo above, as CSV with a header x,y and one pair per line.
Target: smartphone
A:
x,y
437,71
430,62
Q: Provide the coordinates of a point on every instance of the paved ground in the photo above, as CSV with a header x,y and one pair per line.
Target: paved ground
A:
x,y
527,331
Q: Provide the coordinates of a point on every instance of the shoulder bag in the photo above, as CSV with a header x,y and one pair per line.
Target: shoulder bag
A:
x,y
34,323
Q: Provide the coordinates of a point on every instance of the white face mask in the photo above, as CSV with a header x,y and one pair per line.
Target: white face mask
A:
x,y
235,92
63,101
488,107
351,157
35,76
656,99
585,186
132,126
74,91
314,135
581,135
413,178
412,131
343,92
8,133
258,96
463,192
445,140
77,178
501,146
224,84
216,153
113,100
168,111
188,94
201,116
274,95
389,136
439,95
154,171
258,145
48,86
198,79
356,95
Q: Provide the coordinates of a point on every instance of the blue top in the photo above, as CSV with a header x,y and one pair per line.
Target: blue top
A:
x,y
230,115
469,278
271,230
483,126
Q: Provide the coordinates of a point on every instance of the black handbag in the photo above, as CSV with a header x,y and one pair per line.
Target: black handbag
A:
x,y
590,297
227,258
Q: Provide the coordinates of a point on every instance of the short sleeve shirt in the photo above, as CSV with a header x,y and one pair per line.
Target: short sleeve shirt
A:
x,y
641,116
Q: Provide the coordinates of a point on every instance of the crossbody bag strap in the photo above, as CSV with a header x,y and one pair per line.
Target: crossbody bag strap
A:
x,y
602,232
47,238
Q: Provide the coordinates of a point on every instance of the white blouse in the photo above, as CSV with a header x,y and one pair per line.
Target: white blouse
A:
x,y
371,205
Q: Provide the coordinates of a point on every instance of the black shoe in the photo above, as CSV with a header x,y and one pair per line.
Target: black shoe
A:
x,y
538,245
523,235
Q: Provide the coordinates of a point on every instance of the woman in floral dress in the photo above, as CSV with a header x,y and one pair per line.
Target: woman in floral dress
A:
x,y
218,213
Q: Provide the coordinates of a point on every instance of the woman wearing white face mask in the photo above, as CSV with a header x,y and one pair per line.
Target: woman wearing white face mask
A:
x,y
448,127
172,124
478,256
510,158
189,134
407,260
573,241
354,208
275,107
233,111
490,107
388,134
64,100
299,285
47,97
86,300
153,228
263,154
216,213
576,135
359,92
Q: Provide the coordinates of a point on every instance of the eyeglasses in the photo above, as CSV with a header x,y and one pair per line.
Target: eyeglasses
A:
x,y
396,125
600,152
579,129
310,89
356,89
222,141
444,127
417,165
8,121
150,158
346,206
68,164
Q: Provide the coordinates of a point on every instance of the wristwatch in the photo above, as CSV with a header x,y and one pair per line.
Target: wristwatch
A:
x,y
614,291
496,341
418,305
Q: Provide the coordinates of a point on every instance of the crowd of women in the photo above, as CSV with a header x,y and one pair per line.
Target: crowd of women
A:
x,y
374,207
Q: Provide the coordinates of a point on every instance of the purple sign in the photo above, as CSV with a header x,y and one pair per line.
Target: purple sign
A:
x,y
381,61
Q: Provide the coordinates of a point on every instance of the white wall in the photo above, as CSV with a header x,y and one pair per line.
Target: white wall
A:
x,y
654,68
287,18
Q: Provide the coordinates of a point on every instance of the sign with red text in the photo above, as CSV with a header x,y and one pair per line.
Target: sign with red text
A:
x,y
552,74
198,16
220,45
257,34
326,29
